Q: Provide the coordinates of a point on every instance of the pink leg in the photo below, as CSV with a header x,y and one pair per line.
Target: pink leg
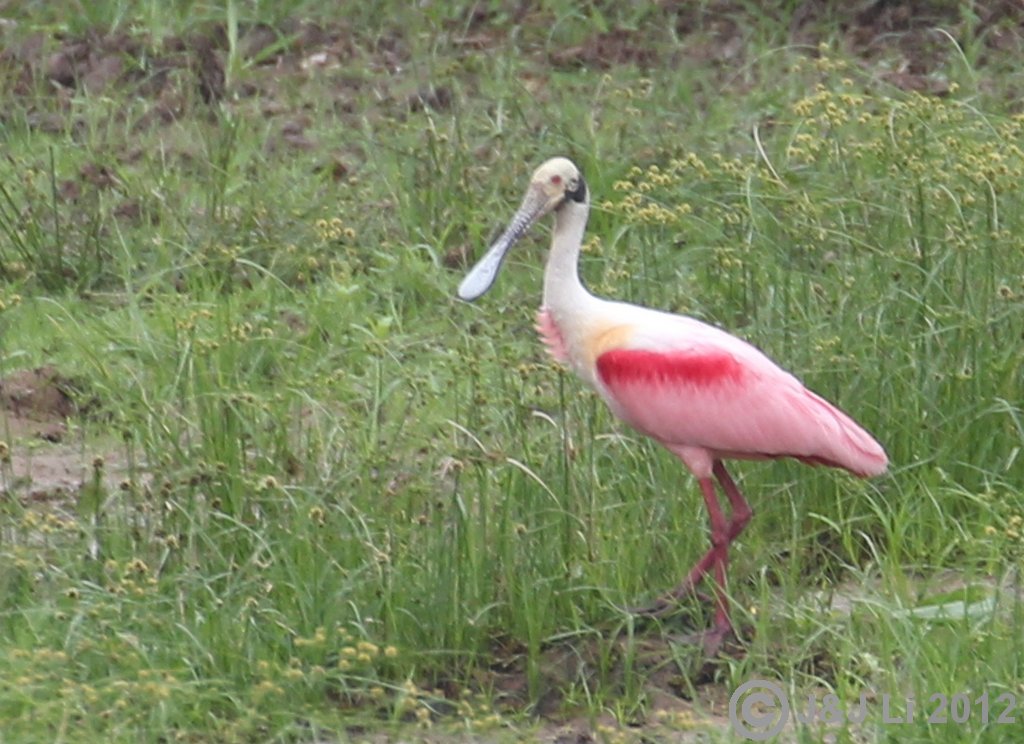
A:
x,y
720,538
720,547
741,511
722,535
741,514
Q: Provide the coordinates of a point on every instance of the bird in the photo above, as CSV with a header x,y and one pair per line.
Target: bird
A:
x,y
705,395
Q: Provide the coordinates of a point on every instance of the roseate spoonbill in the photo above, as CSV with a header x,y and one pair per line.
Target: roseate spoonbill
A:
x,y
702,393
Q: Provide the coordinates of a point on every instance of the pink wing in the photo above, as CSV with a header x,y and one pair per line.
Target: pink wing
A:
x,y
730,400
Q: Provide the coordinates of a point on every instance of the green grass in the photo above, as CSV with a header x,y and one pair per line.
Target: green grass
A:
x,y
334,501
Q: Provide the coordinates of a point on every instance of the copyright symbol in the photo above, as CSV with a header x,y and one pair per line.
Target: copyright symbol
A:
x,y
761,714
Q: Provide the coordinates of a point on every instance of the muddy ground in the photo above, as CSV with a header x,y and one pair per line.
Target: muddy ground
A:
x,y
898,42
43,450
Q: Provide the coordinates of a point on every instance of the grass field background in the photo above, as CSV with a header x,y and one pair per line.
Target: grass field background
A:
x,y
320,499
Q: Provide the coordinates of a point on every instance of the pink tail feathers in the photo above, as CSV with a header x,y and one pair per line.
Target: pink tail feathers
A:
x,y
857,451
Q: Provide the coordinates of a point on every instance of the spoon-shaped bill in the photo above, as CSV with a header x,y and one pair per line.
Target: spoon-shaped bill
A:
x,y
481,277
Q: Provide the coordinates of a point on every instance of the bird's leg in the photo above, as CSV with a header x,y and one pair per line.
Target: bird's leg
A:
x,y
719,543
741,511
720,539
741,514
722,535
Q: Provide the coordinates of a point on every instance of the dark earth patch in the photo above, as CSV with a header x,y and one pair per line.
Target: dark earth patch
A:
x,y
902,43
41,460
38,401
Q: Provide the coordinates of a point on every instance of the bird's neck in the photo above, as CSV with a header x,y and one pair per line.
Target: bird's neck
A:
x,y
563,289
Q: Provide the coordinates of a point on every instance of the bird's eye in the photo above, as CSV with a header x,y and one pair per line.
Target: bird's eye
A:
x,y
556,180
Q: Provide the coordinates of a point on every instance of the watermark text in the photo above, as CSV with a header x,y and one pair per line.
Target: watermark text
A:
x,y
759,709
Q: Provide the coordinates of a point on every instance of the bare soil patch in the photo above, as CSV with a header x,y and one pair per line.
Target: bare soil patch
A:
x,y
42,460
37,402
904,43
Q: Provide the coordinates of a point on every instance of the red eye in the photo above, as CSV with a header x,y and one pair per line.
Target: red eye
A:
x,y
556,180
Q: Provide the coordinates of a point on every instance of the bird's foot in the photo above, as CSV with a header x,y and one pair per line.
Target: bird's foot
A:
x,y
669,602
721,638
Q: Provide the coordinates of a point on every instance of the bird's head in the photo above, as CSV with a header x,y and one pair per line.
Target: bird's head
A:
x,y
554,184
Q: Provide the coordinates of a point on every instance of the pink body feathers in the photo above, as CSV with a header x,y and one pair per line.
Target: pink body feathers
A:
x,y
707,395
